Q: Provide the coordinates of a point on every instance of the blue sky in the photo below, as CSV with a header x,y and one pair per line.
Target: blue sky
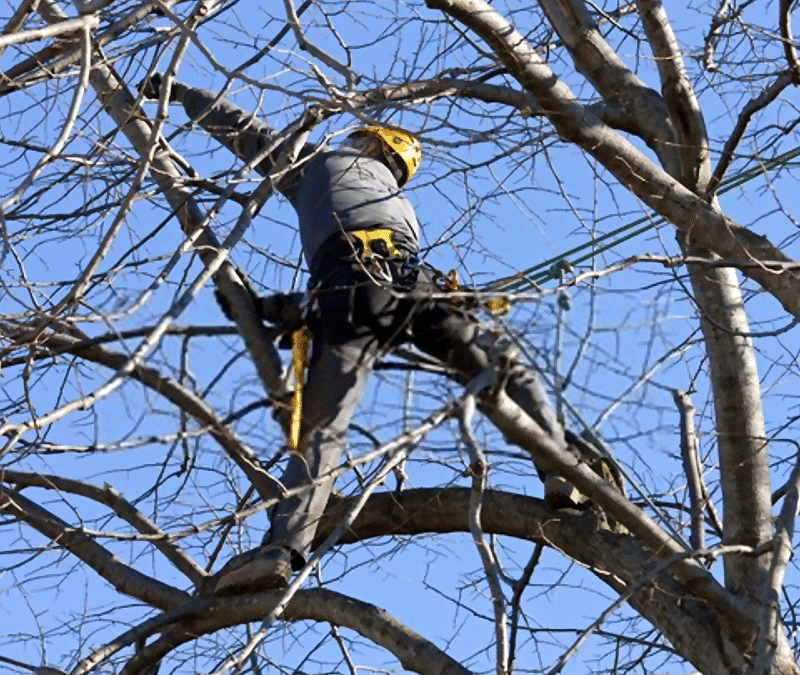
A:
x,y
628,339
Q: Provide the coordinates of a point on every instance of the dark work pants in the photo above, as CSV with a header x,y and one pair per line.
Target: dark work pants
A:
x,y
355,317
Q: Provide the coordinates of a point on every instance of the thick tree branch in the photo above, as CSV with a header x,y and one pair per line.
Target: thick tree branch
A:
x,y
734,375
739,417
703,632
767,648
647,116
696,220
203,616
688,126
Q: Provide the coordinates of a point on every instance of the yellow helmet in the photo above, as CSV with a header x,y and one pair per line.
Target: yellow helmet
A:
x,y
405,147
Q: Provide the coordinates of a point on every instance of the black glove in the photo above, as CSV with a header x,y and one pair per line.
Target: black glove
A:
x,y
287,310
150,87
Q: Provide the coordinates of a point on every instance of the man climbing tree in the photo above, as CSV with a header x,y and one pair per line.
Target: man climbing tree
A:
x,y
368,292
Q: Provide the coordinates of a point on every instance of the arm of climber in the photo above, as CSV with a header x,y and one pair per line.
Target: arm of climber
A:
x,y
240,132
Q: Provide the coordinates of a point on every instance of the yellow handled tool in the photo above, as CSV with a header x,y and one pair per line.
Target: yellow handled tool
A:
x,y
300,339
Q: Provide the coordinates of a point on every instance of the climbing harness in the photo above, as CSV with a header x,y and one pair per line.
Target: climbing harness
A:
x,y
369,241
376,249
300,339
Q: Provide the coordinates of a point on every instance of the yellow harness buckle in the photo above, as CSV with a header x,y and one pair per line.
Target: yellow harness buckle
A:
x,y
496,306
366,237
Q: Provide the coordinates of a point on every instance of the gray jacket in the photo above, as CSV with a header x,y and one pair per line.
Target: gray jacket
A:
x,y
332,189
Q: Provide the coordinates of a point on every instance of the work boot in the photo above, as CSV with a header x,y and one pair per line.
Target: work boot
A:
x,y
559,494
271,568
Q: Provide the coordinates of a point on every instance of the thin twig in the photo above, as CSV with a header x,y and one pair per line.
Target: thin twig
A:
x,y
691,466
123,578
293,20
519,587
85,26
478,468
123,508
782,553
754,105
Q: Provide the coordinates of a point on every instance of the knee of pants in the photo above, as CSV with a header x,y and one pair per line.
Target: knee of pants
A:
x,y
451,336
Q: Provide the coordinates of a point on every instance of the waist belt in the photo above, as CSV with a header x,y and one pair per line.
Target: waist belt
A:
x,y
367,244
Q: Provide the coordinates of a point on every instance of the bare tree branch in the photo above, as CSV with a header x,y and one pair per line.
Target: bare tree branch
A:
x,y
766,650
691,463
646,114
122,577
521,160
696,220
687,120
123,508
785,23
478,468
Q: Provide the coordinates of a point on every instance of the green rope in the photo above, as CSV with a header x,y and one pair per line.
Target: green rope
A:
x,y
547,270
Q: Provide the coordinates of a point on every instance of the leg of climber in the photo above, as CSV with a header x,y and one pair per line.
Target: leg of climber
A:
x,y
343,353
457,338
336,379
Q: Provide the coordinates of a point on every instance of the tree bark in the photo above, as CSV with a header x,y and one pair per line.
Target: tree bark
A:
x,y
702,228
714,637
696,220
